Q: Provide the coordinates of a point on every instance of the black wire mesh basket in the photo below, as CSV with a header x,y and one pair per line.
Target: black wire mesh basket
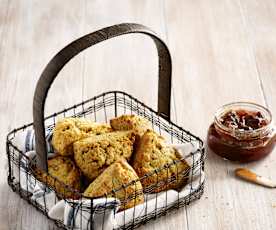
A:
x,y
29,147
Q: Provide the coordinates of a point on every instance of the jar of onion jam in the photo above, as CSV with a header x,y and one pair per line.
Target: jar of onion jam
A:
x,y
242,131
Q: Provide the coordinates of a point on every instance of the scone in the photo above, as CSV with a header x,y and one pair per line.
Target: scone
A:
x,y
64,173
131,122
69,130
94,154
152,154
118,174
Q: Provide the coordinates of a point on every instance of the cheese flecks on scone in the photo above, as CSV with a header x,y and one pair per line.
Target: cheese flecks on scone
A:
x,y
69,130
131,122
63,173
117,174
94,154
153,153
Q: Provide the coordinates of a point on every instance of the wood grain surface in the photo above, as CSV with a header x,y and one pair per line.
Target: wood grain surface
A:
x,y
222,51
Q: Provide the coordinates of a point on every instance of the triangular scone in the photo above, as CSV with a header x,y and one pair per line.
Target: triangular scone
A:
x,y
69,130
94,154
110,183
131,122
63,173
152,154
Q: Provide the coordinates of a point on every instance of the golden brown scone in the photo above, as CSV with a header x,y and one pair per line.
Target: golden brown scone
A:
x,y
62,169
69,130
153,153
118,174
131,122
94,154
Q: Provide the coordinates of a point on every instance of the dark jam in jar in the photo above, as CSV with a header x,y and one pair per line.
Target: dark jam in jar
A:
x,y
242,132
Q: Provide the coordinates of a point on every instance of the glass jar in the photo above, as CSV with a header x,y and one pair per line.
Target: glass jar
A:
x,y
242,131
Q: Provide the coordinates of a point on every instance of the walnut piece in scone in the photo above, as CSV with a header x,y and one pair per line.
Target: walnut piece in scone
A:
x,y
69,130
117,174
153,153
63,173
131,122
94,154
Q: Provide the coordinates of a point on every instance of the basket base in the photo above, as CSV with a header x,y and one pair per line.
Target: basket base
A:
x,y
137,223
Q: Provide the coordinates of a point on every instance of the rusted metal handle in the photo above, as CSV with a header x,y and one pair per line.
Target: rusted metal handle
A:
x,y
66,54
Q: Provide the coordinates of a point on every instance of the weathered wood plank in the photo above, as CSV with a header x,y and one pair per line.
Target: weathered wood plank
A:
x,y
34,32
222,51
260,18
47,27
127,63
214,65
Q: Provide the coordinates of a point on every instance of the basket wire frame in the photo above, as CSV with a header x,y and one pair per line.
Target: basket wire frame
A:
x,y
100,109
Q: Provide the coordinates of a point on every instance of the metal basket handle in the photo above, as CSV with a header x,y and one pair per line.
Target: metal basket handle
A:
x,y
66,54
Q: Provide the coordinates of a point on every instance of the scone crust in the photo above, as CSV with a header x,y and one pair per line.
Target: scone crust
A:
x,y
62,169
69,130
94,154
118,174
152,154
131,122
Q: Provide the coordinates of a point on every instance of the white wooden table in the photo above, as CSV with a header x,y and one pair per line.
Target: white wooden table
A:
x,y
222,51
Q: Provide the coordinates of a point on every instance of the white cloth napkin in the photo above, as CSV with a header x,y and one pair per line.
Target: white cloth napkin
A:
x,y
104,213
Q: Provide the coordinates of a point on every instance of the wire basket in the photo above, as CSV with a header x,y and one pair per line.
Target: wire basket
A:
x,y
106,212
